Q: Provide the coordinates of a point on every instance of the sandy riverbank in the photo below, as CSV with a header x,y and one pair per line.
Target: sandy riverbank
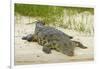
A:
x,y
31,52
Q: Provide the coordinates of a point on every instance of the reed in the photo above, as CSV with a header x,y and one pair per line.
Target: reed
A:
x,y
76,18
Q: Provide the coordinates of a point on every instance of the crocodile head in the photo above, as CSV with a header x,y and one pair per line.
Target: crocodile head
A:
x,y
29,38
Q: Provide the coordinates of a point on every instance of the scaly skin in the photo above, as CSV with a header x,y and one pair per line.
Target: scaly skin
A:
x,y
51,38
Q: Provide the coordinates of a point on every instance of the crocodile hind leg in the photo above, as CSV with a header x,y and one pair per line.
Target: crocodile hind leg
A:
x,y
46,48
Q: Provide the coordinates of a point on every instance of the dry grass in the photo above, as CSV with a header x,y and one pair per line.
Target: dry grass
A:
x,y
75,18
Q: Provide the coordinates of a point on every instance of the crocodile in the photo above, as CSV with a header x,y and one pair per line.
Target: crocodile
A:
x,y
51,38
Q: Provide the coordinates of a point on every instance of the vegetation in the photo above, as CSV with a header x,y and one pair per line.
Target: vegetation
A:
x,y
76,18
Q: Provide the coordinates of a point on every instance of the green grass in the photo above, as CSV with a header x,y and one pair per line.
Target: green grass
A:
x,y
65,17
